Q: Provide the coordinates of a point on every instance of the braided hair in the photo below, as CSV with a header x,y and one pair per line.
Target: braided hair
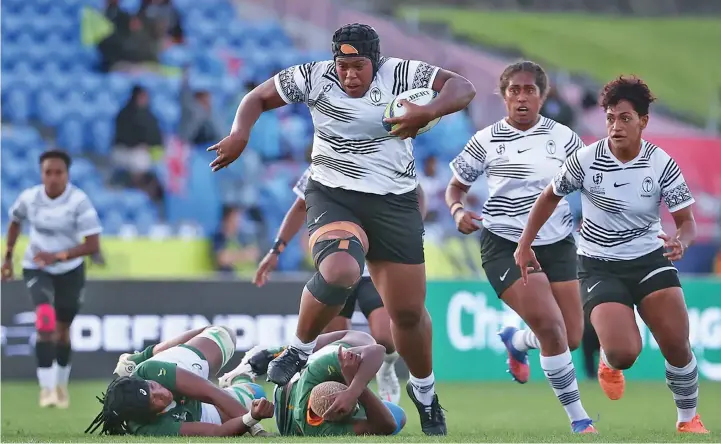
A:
x,y
127,399
357,40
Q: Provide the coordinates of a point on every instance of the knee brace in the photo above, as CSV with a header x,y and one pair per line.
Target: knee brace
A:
x,y
352,245
45,318
329,294
223,339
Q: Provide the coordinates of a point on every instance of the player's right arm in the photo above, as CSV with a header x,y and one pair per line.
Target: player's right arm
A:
x,y
379,419
291,85
292,222
467,167
18,215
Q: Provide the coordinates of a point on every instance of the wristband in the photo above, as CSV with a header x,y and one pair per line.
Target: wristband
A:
x,y
249,421
254,430
455,207
278,246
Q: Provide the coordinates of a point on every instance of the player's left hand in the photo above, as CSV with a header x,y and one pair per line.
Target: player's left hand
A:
x,y
44,258
415,118
349,363
675,248
526,261
261,409
343,404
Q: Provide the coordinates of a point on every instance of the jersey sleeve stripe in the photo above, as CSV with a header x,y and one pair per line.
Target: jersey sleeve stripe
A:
x,y
400,77
670,173
306,71
463,172
574,144
574,168
476,150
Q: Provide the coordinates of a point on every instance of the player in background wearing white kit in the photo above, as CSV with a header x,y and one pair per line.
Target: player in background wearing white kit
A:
x,y
625,259
365,295
64,228
361,200
520,155
164,390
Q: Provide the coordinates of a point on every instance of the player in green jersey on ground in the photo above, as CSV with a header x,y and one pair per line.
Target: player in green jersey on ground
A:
x,y
313,403
164,391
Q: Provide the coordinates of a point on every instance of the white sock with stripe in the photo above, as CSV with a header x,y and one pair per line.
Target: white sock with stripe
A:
x,y
683,383
524,340
561,374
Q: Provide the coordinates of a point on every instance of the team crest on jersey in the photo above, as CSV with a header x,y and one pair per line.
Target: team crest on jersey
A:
x,y
501,149
647,187
375,95
551,147
327,87
197,366
597,188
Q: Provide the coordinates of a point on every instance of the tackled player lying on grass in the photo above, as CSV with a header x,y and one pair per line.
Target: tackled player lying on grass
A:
x,y
330,395
164,391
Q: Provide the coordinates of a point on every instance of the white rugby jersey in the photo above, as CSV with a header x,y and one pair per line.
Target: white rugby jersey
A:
x,y
518,166
299,190
621,201
56,225
351,149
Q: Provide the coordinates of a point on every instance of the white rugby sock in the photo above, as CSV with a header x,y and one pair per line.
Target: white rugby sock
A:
x,y
305,347
424,388
46,377
524,340
62,375
390,358
683,383
602,354
561,375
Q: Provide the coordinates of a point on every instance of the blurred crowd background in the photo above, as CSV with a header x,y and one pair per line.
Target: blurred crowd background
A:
x,y
136,90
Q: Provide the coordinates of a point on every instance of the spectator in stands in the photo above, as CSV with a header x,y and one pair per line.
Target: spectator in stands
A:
x,y
198,123
556,108
136,133
162,18
131,42
232,250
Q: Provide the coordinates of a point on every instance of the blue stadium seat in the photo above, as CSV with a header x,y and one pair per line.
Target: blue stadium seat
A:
x,y
71,135
113,220
81,169
120,85
168,114
102,132
177,55
17,106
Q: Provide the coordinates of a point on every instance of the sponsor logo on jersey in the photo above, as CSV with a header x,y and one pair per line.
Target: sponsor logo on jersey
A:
x,y
597,188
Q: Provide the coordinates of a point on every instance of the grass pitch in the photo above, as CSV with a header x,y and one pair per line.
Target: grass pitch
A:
x,y
476,412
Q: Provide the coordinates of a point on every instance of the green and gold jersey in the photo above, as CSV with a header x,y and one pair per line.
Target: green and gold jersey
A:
x,y
181,410
322,366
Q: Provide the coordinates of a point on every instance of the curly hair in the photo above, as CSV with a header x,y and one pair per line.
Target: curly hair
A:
x,y
56,154
534,68
629,88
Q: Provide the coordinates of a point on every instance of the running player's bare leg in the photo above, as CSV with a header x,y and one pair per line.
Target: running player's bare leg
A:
x,y
620,340
339,272
664,312
338,323
62,359
536,305
403,290
567,297
379,323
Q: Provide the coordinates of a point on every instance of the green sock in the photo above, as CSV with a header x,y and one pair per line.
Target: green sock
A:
x,y
241,379
143,355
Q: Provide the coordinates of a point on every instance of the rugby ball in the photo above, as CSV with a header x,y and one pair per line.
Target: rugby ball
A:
x,y
417,96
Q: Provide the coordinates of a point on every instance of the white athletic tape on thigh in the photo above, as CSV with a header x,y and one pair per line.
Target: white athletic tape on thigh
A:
x,y
222,338
655,272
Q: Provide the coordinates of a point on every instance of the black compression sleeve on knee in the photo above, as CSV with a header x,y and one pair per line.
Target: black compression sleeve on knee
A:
x,y
63,354
326,293
45,353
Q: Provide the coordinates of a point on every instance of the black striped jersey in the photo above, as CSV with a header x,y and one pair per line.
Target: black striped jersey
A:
x,y
56,225
299,190
621,201
351,149
518,166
